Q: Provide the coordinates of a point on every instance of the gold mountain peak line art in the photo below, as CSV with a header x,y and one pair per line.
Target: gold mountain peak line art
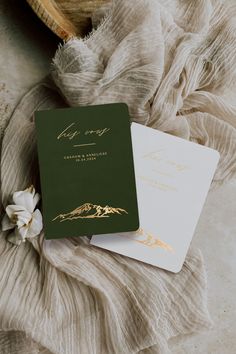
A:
x,y
152,241
149,240
90,211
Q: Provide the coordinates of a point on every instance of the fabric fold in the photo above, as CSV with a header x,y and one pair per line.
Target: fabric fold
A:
x,y
169,61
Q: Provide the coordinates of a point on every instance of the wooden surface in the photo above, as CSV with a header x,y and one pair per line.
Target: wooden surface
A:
x,y
66,18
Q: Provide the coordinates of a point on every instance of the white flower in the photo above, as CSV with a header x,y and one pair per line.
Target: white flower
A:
x,y
22,216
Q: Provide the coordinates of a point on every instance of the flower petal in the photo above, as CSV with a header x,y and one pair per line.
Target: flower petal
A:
x,y
14,238
24,198
6,223
22,232
36,224
11,210
23,218
30,189
36,199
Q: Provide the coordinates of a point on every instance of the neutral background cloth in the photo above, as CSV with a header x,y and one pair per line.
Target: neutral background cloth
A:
x,y
121,305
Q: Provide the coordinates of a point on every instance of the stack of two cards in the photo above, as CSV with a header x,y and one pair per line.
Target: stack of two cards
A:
x,y
137,191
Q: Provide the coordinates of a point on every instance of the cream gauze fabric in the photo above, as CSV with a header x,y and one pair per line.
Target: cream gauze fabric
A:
x,y
172,62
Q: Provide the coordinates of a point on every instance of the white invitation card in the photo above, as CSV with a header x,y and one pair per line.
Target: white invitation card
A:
x,y
173,177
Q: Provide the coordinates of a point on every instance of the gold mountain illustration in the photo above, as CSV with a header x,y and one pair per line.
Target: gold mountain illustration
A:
x,y
89,210
147,239
153,242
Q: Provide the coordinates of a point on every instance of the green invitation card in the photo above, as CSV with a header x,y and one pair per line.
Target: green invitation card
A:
x,y
86,171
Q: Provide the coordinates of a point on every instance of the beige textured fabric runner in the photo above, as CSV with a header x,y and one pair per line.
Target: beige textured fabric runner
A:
x,y
171,62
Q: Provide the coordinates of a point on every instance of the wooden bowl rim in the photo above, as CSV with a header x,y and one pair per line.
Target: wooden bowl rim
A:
x,y
54,18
